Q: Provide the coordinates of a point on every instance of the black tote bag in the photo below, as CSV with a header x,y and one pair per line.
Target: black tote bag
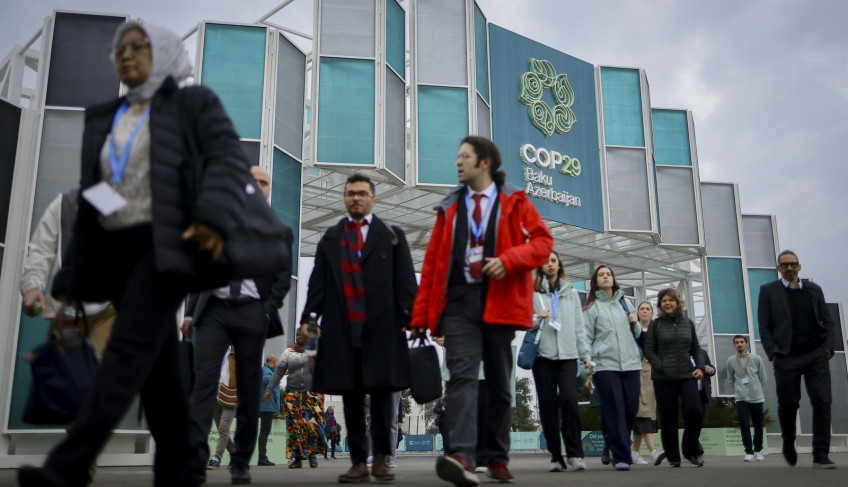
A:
x,y
426,376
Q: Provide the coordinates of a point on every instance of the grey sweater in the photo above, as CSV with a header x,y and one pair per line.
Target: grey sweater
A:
x,y
297,365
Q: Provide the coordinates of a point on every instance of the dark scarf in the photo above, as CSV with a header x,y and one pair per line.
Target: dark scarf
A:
x,y
354,288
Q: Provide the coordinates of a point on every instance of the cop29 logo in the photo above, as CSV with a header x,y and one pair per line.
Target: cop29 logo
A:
x,y
543,76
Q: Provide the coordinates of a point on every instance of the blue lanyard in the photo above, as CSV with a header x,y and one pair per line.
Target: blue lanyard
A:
x,y
477,231
119,164
555,303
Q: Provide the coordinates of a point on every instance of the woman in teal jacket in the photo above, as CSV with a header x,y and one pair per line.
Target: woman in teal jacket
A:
x,y
558,320
612,331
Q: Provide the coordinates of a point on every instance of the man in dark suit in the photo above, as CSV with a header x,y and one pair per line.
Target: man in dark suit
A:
x,y
244,314
362,287
798,335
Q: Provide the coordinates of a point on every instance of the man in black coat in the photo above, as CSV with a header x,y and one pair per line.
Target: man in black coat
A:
x,y
243,313
362,287
798,335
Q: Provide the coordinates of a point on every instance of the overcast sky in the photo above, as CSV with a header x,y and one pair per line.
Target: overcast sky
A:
x,y
767,81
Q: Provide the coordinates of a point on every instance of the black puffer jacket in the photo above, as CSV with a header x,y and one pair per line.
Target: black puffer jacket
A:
x,y
669,344
83,277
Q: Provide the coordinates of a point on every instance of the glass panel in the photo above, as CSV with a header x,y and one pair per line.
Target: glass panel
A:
x,y
723,350
622,107
676,198
442,124
396,37
81,73
627,184
395,124
671,137
10,122
61,136
759,241
291,83
727,297
721,233
234,66
251,150
756,278
484,122
442,50
839,325
346,111
285,197
770,390
481,52
347,28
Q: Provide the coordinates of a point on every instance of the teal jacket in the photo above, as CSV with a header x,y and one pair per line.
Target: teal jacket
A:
x,y
611,336
570,341
272,405
756,374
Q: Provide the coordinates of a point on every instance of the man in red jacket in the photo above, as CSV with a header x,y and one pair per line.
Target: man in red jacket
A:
x,y
476,290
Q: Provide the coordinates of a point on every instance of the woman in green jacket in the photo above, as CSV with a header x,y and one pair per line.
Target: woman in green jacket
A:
x,y
558,320
612,331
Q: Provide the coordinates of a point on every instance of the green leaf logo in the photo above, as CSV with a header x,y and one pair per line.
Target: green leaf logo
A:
x,y
542,76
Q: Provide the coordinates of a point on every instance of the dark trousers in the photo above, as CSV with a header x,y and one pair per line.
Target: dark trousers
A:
x,y
380,417
245,326
749,411
556,388
142,355
619,402
673,395
482,417
814,368
467,342
265,422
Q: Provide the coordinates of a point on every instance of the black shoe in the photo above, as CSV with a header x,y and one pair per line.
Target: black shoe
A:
x,y
694,461
264,462
605,456
789,454
826,463
674,464
240,474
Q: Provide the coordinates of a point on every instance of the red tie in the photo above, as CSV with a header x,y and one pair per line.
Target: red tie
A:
x,y
476,268
359,241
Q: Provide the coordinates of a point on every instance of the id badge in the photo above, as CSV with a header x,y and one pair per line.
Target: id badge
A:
x,y
555,324
744,380
475,254
104,198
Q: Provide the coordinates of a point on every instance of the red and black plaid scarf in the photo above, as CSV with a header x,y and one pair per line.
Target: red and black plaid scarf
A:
x,y
354,289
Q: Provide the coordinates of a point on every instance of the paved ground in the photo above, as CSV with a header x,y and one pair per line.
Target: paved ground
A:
x,y
529,470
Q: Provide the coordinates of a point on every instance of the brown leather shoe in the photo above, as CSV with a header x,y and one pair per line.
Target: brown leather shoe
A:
x,y
380,469
358,473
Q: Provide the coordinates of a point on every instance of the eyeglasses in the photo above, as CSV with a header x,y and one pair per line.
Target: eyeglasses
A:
x,y
361,194
136,46
788,264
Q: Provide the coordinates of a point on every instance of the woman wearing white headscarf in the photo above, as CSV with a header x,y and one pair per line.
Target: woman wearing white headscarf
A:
x,y
137,252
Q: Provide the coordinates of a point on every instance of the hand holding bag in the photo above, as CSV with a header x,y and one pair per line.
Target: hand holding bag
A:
x,y
530,346
426,377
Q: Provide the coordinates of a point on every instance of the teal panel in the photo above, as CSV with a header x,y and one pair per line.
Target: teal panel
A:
x,y
727,295
396,37
285,196
30,334
234,67
622,107
442,124
346,111
756,278
481,52
671,137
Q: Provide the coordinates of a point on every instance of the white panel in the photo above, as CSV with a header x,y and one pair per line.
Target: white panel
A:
x,y
347,28
395,125
676,195
59,159
721,232
288,114
442,51
484,124
627,185
759,241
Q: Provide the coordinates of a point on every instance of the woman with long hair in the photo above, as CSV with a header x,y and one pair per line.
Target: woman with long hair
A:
x,y
562,340
612,332
669,345
646,417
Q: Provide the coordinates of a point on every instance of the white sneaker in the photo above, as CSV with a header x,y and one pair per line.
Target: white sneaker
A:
x,y
577,463
481,469
657,456
759,457
637,458
555,466
748,458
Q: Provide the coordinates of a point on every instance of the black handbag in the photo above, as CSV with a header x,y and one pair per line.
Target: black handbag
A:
x,y
426,377
63,370
260,245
